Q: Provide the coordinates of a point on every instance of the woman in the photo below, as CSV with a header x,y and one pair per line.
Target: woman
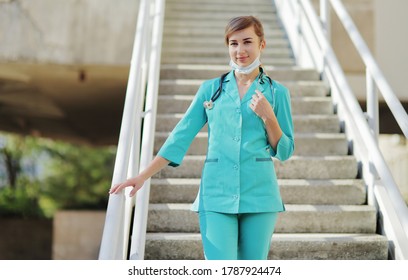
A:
x,y
249,122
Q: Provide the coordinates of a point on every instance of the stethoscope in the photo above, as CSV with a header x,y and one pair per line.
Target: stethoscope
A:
x,y
210,103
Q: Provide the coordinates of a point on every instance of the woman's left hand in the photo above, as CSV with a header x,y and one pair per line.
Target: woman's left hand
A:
x,y
261,106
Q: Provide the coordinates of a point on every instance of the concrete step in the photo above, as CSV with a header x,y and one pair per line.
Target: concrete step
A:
x,y
173,22
226,2
297,218
293,191
204,6
217,52
173,104
190,87
179,246
194,71
270,34
277,62
316,123
220,15
218,41
297,167
302,123
307,144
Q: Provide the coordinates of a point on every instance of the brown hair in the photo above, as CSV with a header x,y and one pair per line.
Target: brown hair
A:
x,y
243,22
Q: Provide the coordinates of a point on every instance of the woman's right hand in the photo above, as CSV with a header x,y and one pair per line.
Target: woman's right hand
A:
x,y
135,182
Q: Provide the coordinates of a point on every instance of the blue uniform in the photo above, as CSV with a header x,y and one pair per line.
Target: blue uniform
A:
x,y
238,174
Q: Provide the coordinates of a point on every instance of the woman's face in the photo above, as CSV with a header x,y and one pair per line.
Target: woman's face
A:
x,y
244,46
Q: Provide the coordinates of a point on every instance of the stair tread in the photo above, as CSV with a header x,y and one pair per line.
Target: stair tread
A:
x,y
305,116
200,81
293,158
343,246
306,88
319,135
189,97
289,207
307,143
300,237
297,167
299,116
298,218
293,191
281,61
186,181
199,41
177,70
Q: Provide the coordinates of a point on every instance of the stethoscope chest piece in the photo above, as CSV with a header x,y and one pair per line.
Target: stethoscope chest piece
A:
x,y
208,105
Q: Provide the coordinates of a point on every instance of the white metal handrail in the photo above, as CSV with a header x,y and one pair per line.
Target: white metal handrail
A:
x,y
311,48
137,248
143,80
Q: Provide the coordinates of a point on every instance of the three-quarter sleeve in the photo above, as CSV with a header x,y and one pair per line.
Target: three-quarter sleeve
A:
x,y
286,144
175,147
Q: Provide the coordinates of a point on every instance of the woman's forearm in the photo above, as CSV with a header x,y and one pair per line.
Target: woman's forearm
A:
x,y
263,109
273,130
157,164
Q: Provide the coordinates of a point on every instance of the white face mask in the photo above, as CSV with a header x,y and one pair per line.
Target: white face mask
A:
x,y
247,69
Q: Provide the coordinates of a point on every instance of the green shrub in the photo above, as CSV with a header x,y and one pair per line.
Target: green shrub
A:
x,y
40,176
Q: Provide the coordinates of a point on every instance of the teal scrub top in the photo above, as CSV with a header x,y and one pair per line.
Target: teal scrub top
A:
x,y
238,175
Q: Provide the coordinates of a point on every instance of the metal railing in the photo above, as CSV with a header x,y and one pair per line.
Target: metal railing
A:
x,y
135,146
309,35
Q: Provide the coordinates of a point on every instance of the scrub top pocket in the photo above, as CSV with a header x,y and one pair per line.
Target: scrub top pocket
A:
x,y
214,181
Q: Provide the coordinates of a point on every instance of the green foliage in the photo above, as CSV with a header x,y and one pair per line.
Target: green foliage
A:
x,y
40,176
78,177
22,202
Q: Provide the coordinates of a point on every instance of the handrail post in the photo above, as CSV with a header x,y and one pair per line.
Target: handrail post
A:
x,y
298,20
373,123
372,105
325,18
326,24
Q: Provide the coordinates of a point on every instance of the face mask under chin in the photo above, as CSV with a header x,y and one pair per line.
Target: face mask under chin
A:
x,y
247,69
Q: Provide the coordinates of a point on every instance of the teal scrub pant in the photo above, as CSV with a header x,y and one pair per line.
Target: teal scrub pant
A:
x,y
236,236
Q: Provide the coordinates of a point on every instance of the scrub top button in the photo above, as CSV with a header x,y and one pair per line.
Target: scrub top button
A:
x,y
235,166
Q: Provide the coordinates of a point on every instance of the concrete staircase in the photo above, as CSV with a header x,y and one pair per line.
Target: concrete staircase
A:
x,y
327,216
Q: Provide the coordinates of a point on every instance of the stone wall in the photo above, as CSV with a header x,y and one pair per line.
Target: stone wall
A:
x,y
77,235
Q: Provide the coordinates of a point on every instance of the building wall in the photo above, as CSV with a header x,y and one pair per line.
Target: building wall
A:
x,y
391,42
67,31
